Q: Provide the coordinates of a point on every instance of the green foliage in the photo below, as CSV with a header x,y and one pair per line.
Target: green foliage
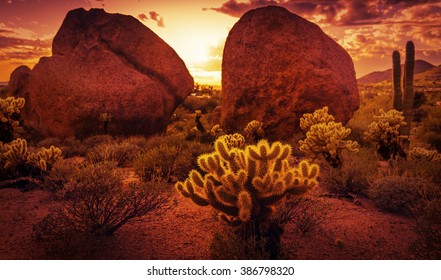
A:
x,y
96,203
254,131
327,139
9,115
384,131
319,116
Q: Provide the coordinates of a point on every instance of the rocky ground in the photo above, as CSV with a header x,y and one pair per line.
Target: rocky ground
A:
x,y
331,228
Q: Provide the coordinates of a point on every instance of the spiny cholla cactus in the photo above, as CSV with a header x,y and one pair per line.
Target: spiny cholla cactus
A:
x,y
424,154
385,132
246,184
216,130
254,130
15,156
319,116
9,110
327,139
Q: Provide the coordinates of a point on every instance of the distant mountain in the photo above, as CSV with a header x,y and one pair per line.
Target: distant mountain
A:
x,y
379,76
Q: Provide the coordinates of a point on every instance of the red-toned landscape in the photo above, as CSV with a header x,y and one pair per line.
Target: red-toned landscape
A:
x,y
272,130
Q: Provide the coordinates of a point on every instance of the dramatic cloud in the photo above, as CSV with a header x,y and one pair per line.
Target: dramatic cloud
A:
x,y
366,29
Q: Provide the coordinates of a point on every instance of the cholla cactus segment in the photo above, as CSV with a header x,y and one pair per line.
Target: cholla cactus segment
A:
x,y
327,139
319,116
424,154
235,140
13,153
254,130
244,183
216,130
45,158
16,153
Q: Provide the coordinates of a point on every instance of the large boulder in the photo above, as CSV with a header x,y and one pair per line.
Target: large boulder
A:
x,y
277,66
106,63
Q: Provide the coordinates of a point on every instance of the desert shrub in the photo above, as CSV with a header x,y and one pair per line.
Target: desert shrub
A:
x,y
136,140
193,103
47,142
95,202
96,140
73,147
398,193
62,171
157,162
229,246
417,168
121,153
354,174
187,159
428,228
431,128
306,213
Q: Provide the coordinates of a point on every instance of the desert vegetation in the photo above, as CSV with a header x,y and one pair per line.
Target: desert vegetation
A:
x,y
259,191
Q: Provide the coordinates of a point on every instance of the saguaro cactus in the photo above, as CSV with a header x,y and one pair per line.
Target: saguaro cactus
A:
x,y
396,78
408,88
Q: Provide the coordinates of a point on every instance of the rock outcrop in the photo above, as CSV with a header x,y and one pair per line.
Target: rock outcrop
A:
x,y
277,66
106,63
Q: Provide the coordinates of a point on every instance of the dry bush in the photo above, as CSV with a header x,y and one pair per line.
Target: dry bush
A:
x,y
122,153
354,174
95,203
157,162
305,213
96,140
428,228
229,246
187,160
399,194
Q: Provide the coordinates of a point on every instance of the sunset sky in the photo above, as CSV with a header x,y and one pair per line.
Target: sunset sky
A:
x,y
197,29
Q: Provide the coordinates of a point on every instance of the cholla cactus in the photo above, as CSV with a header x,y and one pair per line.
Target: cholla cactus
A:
x,y
254,130
105,119
319,116
424,154
9,110
385,132
327,139
197,118
216,130
45,158
247,184
15,156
